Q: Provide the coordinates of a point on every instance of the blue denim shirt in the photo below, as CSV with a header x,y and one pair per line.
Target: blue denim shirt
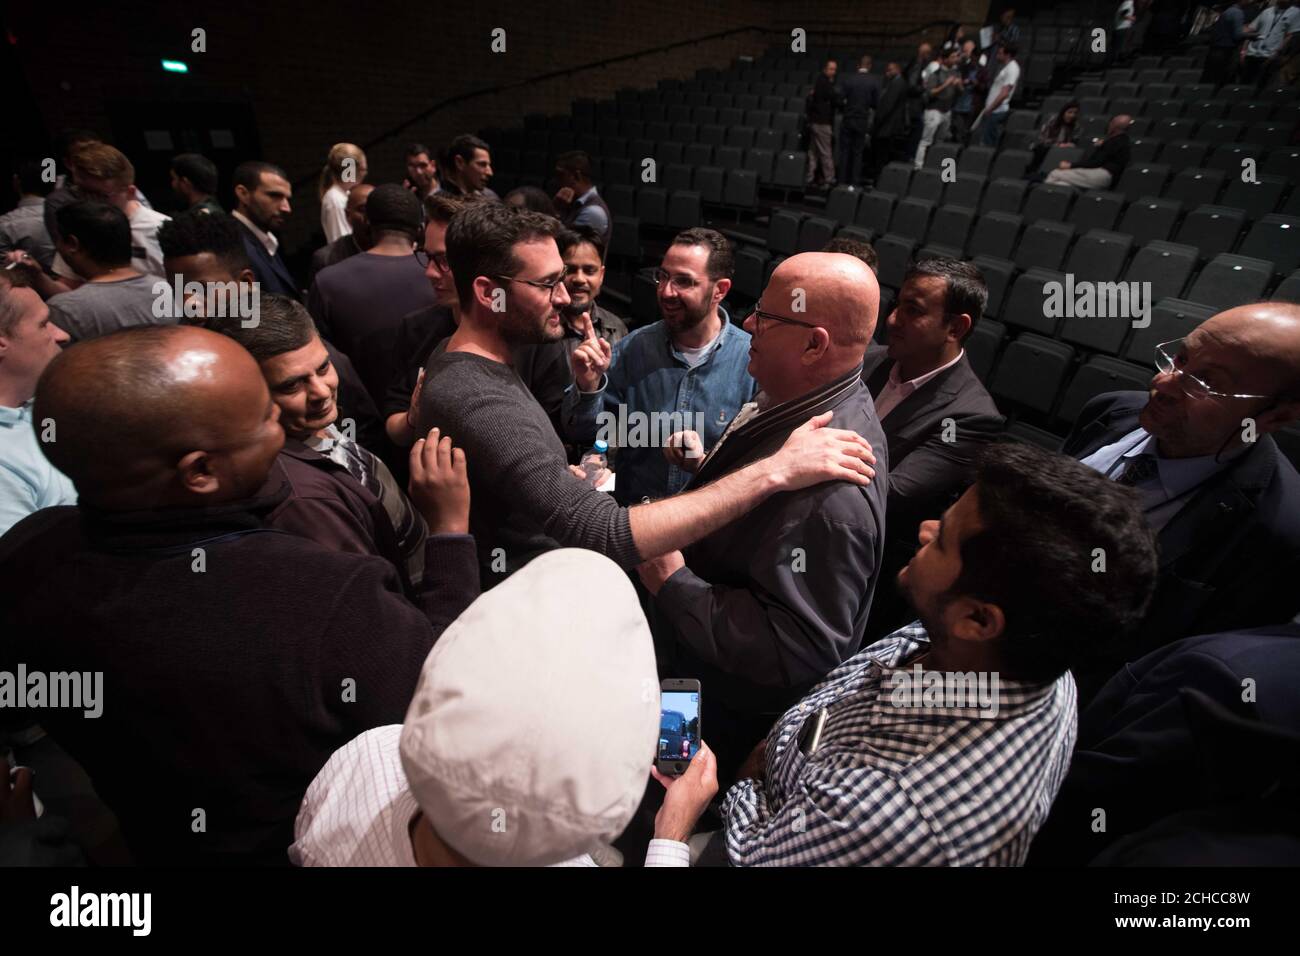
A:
x,y
648,376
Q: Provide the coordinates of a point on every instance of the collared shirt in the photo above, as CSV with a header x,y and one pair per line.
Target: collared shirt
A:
x,y
24,228
894,391
896,781
269,242
28,482
651,391
1171,486
373,475
358,811
591,214
1272,27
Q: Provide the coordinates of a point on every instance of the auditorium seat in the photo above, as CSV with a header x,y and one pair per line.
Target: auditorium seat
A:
x,y
729,157
1028,434
1032,370
708,183
895,178
1098,375
652,205
1211,229
1048,201
789,169
875,209
912,218
621,199
1026,302
1275,237
1044,244
815,232
976,160
982,346
783,231
699,154
842,203
1230,280
1004,194
966,190
1143,179
997,276
740,189
895,253
1099,256
1011,163
741,137
1166,265
1288,290
1229,157
1096,209
685,209
1170,319
1150,218
645,298
625,237
996,234
676,176
926,184
1193,186
939,152
951,227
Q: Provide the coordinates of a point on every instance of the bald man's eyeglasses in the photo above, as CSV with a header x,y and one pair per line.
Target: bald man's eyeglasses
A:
x,y
1170,359
759,314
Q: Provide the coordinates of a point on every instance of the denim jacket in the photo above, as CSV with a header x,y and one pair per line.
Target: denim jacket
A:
x,y
648,377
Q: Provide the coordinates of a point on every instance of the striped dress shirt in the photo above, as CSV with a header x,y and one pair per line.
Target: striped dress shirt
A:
x,y
904,785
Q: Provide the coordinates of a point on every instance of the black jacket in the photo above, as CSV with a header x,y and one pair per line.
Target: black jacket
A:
x,y
1141,743
861,94
235,660
1229,558
926,473
823,101
270,270
771,603
891,112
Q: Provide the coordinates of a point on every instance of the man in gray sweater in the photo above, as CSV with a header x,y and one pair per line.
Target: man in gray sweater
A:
x,y
509,280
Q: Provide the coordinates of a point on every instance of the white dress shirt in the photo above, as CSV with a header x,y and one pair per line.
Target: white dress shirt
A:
x,y
358,811
268,241
333,213
892,395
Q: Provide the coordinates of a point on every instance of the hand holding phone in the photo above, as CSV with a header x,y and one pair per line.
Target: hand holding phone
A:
x,y
679,725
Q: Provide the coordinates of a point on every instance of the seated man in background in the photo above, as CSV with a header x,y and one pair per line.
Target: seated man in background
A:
x,y
418,795
526,501
209,249
342,496
945,743
1214,486
267,649
935,412
763,608
95,240
28,342
1142,741
1102,165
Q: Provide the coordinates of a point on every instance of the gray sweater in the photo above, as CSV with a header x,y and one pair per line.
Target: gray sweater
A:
x,y
523,499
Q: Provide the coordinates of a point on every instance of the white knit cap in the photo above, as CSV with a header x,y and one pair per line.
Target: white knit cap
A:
x,y
534,725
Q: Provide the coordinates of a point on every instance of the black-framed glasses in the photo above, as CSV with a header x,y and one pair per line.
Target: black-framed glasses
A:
x,y
439,259
758,314
1167,362
547,285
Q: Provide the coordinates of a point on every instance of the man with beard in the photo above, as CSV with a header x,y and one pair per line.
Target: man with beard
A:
x,y
510,284
421,171
687,371
341,495
1214,485
262,194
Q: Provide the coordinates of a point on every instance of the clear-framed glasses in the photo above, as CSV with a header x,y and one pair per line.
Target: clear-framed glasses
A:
x,y
547,285
759,314
1171,355
439,259
681,282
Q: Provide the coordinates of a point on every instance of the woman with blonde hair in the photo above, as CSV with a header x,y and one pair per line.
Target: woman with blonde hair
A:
x,y
344,168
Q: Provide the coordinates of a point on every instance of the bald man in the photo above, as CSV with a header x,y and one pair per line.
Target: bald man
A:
x,y
1223,499
1101,166
228,660
358,240
768,605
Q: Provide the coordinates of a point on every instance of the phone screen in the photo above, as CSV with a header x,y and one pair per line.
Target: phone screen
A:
x,y
679,724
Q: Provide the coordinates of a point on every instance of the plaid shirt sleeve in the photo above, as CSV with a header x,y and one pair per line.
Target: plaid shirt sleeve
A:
x,y
845,817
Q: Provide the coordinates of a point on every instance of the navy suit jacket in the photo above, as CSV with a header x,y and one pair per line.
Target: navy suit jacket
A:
x,y
270,270
1229,559
861,93
1142,744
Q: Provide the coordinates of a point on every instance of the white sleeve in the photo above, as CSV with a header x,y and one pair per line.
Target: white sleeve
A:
x,y
333,216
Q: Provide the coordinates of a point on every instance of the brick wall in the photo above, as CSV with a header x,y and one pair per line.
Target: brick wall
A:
x,y
315,77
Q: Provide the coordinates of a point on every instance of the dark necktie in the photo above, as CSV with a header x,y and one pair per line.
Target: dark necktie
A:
x,y
1139,469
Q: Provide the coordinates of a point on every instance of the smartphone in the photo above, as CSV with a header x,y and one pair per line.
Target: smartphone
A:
x,y
679,725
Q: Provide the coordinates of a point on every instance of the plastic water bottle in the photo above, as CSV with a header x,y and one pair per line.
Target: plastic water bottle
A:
x,y
596,460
